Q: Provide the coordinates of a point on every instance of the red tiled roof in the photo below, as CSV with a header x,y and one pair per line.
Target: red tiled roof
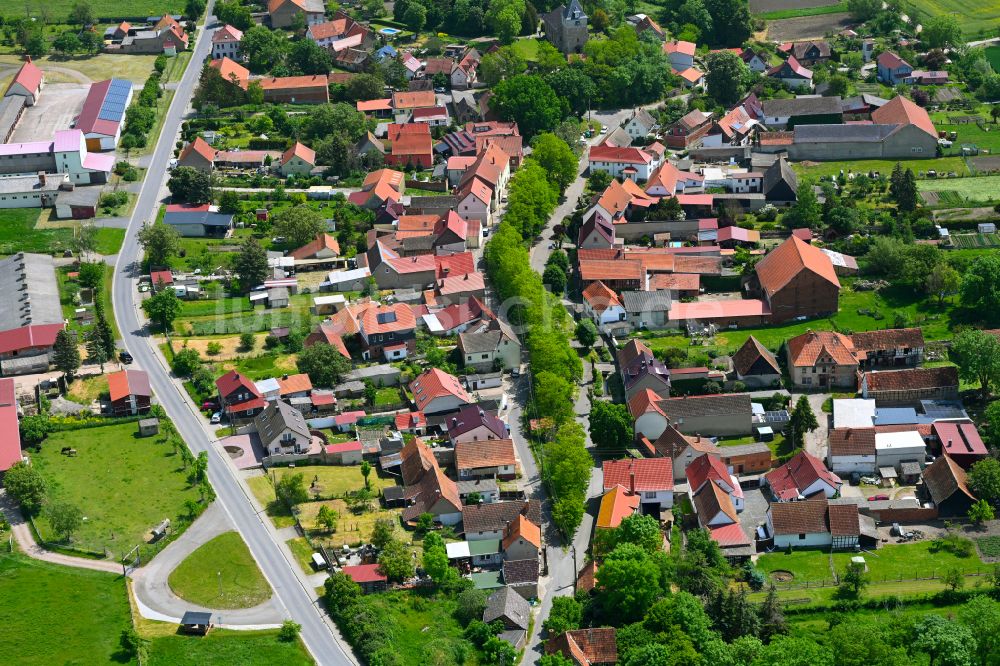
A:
x,y
232,381
157,277
29,76
887,339
374,105
484,453
413,144
323,241
890,60
26,337
642,402
750,307
798,474
805,350
522,528
294,82
414,100
912,379
600,297
296,383
675,281
303,152
782,264
597,269
435,383
749,353
616,505
852,442
807,517
344,447
901,111
686,48
586,647
459,263
728,536
650,474
712,500
201,147
230,70
410,420
959,438
388,319
626,155
364,573
124,383
706,468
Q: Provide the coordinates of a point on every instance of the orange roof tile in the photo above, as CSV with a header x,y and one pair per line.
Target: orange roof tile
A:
x,y
782,264
232,71
303,152
901,111
294,383
616,505
806,349
600,297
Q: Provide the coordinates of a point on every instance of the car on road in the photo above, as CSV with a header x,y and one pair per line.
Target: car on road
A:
x,y
604,129
209,404
125,357
441,91
216,417
879,497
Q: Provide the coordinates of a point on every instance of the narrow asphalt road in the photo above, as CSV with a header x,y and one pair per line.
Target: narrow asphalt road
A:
x,y
275,561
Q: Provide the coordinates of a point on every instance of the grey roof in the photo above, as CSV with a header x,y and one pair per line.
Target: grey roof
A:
x,y
26,184
373,371
802,106
477,486
842,133
507,604
204,217
572,10
29,293
479,342
493,517
744,449
276,417
644,117
520,571
10,110
780,171
706,405
277,293
646,301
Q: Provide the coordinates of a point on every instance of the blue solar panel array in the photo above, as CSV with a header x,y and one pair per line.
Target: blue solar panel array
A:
x,y
115,101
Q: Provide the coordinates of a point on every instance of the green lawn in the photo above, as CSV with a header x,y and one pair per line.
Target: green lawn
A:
x,y
993,55
53,614
988,137
883,306
222,647
972,190
974,16
387,396
123,484
109,241
18,233
241,585
303,553
334,480
526,48
941,165
889,563
262,489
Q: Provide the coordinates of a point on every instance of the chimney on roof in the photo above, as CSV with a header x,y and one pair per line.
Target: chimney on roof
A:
x,y
631,480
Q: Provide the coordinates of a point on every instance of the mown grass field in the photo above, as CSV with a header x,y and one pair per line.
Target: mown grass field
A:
x,y
974,16
103,9
797,12
979,189
222,648
53,614
18,233
124,485
334,480
263,491
221,574
941,165
98,67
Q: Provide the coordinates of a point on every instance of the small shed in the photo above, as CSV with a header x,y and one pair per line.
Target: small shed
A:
x,y
196,622
160,530
394,496
149,427
277,297
987,227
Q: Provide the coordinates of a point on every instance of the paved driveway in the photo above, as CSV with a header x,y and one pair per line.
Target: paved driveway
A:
x,y
56,109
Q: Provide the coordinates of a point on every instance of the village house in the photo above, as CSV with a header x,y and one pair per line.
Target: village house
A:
x,y
808,53
688,130
889,348
198,220
198,155
822,359
946,484
378,188
585,647
437,392
511,610
637,164
645,25
652,479
815,523
649,309
296,89
489,521
604,308
709,469
852,451
299,160
754,60
435,494
27,83
802,476
641,371
781,114
238,395
909,386
388,331
474,424
792,74
727,414
486,459
904,452
960,441
893,70
324,247
755,365
282,429
640,125
283,13
484,347
226,43
795,280
617,504
718,515
129,392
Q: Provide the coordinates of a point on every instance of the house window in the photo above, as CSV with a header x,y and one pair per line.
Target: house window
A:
x,y
802,537
651,495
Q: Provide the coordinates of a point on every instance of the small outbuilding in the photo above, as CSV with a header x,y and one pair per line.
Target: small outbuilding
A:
x,y
196,622
149,427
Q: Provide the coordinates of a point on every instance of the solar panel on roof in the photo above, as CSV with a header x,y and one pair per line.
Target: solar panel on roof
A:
x,y
115,101
386,317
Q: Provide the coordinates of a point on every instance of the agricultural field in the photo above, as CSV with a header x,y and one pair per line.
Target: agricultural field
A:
x,y
107,10
241,585
124,485
786,10
919,167
96,67
966,190
975,241
807,26
975,17
53,614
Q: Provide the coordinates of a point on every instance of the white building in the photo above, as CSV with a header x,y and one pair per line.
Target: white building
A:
x,y
226,43
893,448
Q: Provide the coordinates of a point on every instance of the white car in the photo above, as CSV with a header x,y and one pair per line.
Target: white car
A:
x,y
604,129
217,417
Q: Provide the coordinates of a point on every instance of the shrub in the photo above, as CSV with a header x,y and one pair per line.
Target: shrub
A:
x,y
213,348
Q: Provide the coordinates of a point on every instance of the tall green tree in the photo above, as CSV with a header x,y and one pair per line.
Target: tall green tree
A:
x,y
263,48
65,354
190,185
299,224
556,158
984,480
947,643
977,355
65,518
806,212
250,264
291,489
161,243
162,308
309,57
629,582
26,485
802,420
611,426
727,77
980,289
323,363
396,562
941,31
942,281
529,101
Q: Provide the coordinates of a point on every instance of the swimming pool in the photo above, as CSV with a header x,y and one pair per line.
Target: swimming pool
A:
x,y
388,31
